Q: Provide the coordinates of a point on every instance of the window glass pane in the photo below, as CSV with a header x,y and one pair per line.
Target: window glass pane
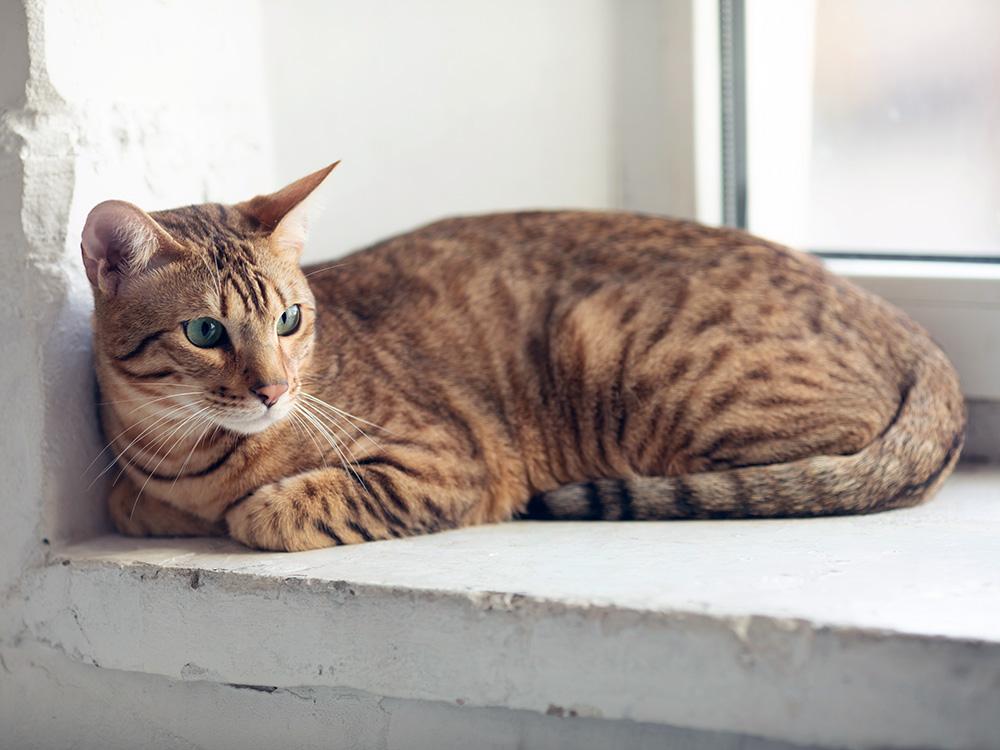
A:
x,y
874,125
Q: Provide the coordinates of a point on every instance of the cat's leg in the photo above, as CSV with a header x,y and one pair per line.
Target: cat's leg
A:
x,y
378,498
151,517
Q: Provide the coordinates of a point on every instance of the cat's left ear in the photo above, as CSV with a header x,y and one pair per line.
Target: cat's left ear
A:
x,y
286,213
120,241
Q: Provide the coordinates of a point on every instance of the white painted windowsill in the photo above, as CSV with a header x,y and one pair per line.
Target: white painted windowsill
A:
x,y
863,631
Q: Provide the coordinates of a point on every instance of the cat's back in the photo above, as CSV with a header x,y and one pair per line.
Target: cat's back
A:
x,y
614,241
540,247
527,255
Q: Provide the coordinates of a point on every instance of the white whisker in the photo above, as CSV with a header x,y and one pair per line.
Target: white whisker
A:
x,y
208,421
162,398
327,268
165,416
112,441
334,443
320,403
154,449
169,451
164,385
343,413
300,423
146,399
334,422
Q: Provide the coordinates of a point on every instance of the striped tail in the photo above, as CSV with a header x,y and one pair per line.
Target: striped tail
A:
x,y
904,465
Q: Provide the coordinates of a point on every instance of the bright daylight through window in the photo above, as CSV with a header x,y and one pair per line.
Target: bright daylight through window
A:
x,y
841,95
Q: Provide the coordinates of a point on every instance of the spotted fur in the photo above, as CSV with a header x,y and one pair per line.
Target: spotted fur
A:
x,y
606,366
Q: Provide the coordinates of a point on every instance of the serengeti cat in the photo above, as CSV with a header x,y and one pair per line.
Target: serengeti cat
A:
x,y
545,364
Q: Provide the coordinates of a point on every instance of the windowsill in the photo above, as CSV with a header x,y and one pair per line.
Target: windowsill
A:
x,y
878,630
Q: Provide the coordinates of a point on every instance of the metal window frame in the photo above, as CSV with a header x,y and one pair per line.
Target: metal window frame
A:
x,y
733,111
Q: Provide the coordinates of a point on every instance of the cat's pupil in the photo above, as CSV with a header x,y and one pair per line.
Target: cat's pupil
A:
x,y
204,332
288,321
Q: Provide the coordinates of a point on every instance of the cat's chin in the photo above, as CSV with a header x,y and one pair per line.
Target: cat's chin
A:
x,y
254,425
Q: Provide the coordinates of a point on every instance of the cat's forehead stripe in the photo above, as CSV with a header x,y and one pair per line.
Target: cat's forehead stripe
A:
x,y
227,237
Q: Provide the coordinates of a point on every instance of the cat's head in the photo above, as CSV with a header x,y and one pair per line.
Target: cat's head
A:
x,y
205,307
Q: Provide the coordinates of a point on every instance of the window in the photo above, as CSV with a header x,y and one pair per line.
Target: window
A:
x,y
869,132
882,119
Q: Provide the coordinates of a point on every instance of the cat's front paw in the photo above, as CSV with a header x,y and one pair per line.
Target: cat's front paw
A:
x,y
278,517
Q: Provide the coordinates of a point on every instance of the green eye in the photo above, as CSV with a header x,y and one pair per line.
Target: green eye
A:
x,y
289,320
204,332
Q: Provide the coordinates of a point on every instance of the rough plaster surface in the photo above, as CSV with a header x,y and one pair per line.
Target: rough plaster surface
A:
x,y
93,106
84,120
881,631
93,703
206,715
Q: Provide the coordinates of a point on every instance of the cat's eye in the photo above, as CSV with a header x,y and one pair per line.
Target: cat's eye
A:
x,y
204,332
289,320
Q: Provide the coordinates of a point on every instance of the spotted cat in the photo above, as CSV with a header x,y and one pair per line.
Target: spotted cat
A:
x,y
559,364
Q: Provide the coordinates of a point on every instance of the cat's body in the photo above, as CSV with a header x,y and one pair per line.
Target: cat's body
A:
x,y
564,364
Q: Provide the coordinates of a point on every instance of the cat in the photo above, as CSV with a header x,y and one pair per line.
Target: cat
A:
x,y
566,364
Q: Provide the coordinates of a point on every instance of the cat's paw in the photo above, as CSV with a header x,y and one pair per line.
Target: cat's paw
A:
x,y
278,517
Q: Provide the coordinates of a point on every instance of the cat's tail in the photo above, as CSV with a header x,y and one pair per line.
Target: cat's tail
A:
x,y
901,467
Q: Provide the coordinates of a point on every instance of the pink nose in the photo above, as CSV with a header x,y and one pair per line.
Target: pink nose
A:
x,y
269,394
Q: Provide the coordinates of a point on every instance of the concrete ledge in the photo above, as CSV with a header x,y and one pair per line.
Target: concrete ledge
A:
x,y
881,631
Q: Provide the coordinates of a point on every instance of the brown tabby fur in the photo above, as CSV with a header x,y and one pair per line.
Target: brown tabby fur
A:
x,y
550,364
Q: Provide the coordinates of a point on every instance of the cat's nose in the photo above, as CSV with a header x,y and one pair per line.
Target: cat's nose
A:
x,y
269,394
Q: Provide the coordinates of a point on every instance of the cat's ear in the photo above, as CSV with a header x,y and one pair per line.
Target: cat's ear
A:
x,y
286,213
119,242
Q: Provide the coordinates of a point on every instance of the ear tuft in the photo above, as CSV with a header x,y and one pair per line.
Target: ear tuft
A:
x,y
120,241
286,213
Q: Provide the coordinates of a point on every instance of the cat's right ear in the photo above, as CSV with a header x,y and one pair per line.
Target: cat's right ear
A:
x,y
285,214
121,241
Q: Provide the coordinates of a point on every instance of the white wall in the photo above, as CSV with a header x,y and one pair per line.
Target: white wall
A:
x,y
124,99
121,99
442,107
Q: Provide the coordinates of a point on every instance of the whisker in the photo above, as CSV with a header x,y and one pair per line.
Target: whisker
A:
x,y
112,441
300,423
146,399
347,414
325,434
172,395
327,268
333,442
319,403
338,424
154,449
334,422
161,384
204,432
167,415
167,453
330,438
